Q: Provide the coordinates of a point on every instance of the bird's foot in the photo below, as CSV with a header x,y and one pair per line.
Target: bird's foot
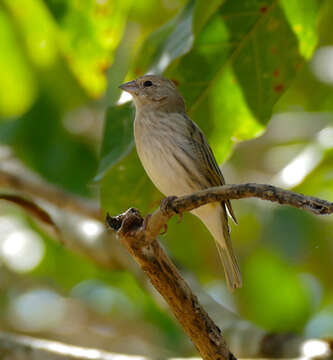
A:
x,y
167,206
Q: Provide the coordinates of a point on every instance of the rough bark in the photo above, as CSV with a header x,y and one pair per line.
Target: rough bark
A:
x,y
139,235
136,236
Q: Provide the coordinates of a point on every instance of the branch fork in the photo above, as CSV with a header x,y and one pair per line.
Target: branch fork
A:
x,y
140,241
138,235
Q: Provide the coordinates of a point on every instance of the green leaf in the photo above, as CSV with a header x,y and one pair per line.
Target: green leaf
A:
x,y
302,16
172,40
243,58
118,136
203,11
90,34
40,35
85,34
17,86
41,51
253,40
127,185
230,119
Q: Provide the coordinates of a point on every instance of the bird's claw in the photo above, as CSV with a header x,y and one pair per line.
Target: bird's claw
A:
x,y
145,222
166,205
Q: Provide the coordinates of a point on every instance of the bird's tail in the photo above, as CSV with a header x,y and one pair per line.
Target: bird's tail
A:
x,y
226,252
215,217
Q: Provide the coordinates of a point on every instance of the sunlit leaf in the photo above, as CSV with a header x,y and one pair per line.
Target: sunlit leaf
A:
x,y
230,119
302,16
39,36
41,48
17,85
90,32
203,11
86,35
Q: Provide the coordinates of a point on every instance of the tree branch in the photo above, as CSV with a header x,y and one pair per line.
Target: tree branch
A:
x,y
139,237
164,276
103,252
57,197
159,219
241,191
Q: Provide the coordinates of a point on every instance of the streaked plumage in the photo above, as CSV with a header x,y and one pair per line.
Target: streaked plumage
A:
x,y
178,159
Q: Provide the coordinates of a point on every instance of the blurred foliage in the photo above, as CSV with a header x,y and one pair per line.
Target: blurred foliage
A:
x,y
248,70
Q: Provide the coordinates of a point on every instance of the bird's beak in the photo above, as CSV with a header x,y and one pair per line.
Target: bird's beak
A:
x,y
131,87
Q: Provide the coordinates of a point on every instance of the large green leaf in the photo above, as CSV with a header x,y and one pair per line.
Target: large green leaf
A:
x,y
203,11
241,63
303,20
167,43
127,185
118,136
257,42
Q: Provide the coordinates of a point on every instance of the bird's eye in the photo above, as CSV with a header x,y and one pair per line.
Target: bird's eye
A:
x,y
147,83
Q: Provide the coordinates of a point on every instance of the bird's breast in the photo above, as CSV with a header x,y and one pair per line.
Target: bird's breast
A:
x,y
165,163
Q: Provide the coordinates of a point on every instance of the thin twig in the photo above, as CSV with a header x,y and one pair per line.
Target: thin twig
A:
x,y
30,207
55,196
173,205
241,191
104,252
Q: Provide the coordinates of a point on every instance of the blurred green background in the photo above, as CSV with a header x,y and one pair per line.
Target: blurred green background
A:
x,y
257,77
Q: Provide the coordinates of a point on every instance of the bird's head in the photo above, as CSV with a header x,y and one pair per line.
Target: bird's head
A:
x,y
156,92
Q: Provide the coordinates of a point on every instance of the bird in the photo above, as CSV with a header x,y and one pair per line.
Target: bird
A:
x,y
178,159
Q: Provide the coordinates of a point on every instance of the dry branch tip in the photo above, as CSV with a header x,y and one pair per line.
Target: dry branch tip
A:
x,y
129,221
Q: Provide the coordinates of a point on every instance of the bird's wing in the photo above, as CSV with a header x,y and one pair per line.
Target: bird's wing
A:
x,y
201,149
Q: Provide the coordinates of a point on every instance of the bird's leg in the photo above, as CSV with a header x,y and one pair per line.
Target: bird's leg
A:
x,y
167,208
145,222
